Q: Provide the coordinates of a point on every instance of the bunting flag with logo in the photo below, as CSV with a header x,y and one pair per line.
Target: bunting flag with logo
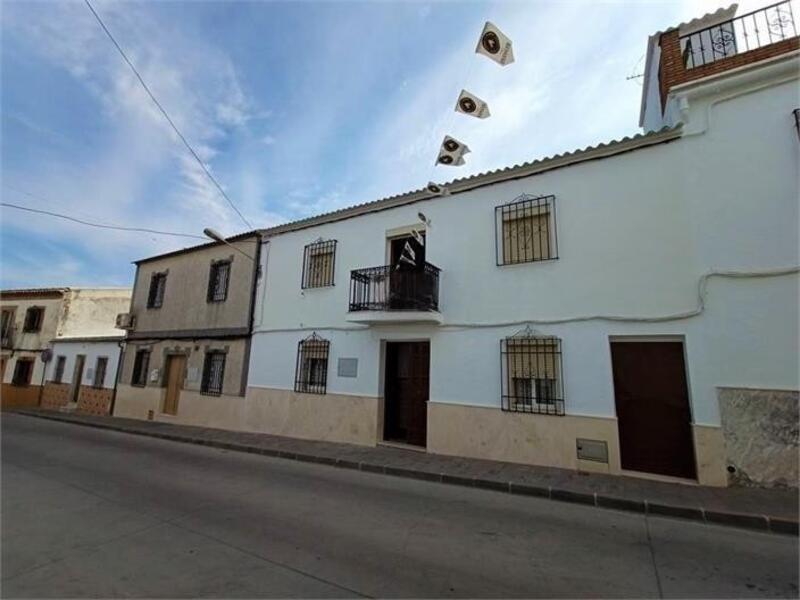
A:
x,y
470,104
407,256
436,189
496,45
452,152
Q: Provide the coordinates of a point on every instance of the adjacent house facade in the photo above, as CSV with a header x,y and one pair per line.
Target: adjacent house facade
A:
x,y
33,319
188,344
82,374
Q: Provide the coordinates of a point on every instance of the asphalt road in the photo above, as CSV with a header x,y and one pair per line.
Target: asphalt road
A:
x,y
90,513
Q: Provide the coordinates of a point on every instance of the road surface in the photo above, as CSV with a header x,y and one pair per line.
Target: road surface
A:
x,y
88,512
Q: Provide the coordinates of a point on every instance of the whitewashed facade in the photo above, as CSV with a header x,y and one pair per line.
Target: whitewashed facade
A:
x,y
687,235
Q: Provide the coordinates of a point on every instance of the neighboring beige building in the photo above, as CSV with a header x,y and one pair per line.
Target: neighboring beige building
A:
x,y
33,318
188,341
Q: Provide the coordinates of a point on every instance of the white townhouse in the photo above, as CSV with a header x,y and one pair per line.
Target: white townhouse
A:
x,y
629,308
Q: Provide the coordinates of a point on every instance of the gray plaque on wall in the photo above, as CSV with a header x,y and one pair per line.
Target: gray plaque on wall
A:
x,y
348,367
192,373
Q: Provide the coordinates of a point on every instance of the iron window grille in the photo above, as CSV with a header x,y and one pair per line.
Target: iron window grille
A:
x,y
141,362
218,278
531,375
213,373
158,284
311,371
22,372
33,319
100,371
525,230
796,113
319,260
61,363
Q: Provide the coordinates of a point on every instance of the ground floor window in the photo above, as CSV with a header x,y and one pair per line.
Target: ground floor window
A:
x,y
532,379
213,373
141,362
311,371
61,363
100,371
23,371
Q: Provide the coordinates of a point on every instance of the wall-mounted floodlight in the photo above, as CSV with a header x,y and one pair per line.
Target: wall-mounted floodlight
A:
x,y
217,237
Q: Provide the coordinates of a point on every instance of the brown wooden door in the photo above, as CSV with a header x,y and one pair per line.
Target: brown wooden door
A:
x,y
655,431
176,365
406,392
77,378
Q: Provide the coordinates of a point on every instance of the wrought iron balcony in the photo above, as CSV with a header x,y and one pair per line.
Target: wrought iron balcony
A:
x,y
762,27
387,288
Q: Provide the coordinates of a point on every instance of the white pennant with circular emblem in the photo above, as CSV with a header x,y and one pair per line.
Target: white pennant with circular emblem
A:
x,y
495,44
471,105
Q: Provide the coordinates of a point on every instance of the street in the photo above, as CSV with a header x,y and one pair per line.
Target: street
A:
x,y
93,513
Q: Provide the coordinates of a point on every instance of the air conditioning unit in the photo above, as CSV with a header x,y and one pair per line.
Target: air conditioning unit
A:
x,y
126,321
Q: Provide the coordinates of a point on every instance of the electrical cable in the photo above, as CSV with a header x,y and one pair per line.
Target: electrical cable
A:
x,y
166,116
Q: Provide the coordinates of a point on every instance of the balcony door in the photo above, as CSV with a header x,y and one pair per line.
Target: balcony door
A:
x,y
405,277
406,392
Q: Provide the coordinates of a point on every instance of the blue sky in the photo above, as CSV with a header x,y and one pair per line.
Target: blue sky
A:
x,y
297,108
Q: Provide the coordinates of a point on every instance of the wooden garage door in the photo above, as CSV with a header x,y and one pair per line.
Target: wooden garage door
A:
x,y
652,399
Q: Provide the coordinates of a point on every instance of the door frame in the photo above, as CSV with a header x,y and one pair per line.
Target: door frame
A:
x,y
655,338
165,381
77,377
382,373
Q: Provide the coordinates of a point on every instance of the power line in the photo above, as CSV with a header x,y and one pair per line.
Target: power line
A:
x,y
166,116
100,225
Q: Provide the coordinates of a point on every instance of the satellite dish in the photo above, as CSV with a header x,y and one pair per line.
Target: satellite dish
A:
x,y
46,355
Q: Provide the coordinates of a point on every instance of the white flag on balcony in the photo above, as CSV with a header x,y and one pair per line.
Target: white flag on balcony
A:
x,y
451,152
470,104
495,44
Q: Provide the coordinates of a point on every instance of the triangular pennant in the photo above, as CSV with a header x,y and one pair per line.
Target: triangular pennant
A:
x,y
470,104
420,239
495,44
451,152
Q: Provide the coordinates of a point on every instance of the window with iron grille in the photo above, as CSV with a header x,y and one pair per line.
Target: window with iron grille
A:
x,y
318,264
525,230
100,371
532,380
23,371
158,284
218,278
213,373
311,371
141,362
61,363
33,319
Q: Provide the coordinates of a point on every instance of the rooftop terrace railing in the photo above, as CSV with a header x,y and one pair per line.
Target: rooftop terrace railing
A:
x,y
762,27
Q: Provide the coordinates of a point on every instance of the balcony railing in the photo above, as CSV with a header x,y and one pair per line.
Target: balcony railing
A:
x,y
762,27
389,288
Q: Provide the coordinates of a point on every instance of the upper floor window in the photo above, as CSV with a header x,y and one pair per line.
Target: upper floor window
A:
x,y
213,373
218,277
33,319
158,284
318,263
526,230
532,379
141,362
61,363
100,371
311,371
23,371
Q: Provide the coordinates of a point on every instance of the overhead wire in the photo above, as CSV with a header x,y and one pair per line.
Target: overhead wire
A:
x,y
166,115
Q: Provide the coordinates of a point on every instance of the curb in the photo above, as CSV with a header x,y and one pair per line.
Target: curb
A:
x,y
749,521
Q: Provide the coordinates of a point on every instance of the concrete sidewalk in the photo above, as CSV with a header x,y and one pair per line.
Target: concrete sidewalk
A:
x,y
766,510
